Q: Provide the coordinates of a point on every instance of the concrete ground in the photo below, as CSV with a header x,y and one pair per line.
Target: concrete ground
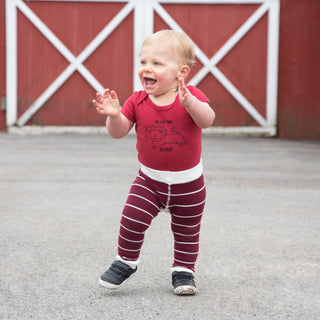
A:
x,y
61,198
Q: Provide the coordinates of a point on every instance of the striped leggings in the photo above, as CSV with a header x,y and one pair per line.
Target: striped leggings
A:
x,y
146,198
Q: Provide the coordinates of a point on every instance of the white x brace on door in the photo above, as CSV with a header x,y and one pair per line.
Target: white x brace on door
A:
x,y
143,26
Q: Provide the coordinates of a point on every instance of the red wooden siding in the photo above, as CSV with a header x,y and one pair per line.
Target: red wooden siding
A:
x,y
39,63
299,70
76,24
244,65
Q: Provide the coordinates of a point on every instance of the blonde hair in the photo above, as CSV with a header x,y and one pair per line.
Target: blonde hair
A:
x,y
178,41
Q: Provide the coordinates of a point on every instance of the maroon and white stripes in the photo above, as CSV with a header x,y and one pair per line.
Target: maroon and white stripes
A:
x,y
146,198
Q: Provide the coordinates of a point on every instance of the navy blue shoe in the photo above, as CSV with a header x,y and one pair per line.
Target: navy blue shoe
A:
x,y
118,273
183,283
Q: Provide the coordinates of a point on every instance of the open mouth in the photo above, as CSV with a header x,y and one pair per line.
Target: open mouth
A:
x,y
149,82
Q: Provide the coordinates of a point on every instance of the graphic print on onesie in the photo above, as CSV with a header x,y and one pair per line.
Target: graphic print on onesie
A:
x,y
164,138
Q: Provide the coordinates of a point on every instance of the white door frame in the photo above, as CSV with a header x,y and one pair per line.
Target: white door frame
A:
x,y
143,26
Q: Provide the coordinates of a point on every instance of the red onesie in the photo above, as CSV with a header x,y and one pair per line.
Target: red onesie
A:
x,y
167,137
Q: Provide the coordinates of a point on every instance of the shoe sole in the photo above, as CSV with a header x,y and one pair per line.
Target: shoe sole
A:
x,y
185,290
111,286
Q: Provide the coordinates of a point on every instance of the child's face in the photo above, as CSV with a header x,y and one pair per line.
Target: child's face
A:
x,y
159,69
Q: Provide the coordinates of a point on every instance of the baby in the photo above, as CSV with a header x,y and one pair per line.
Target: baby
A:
x,y
168,117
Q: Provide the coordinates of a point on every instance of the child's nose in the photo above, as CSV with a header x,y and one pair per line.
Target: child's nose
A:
x,y
147,67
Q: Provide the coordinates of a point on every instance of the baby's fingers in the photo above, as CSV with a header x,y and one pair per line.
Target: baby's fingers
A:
x,y
181,80
113,94
107,94
99,98
100,110
95,103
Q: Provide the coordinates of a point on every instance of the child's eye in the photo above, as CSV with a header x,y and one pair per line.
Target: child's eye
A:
x,y
142,62
157,63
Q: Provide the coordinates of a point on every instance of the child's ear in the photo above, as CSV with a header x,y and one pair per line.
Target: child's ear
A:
x,y
185,70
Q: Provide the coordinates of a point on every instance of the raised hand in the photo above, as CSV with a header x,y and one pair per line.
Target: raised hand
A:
x,y
185,96
108,104
201,112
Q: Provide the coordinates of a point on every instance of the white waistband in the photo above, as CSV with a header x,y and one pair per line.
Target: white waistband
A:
x,y
174,177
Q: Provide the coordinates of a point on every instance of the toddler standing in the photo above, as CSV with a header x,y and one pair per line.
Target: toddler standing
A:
x,y
168,118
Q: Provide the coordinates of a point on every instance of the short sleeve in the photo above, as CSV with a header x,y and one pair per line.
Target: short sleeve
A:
x,y
198,94
128,109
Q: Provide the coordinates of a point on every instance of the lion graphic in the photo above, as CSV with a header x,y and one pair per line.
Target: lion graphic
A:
x,y
159,136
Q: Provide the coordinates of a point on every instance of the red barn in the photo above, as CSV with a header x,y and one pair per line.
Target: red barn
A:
x,y
257,60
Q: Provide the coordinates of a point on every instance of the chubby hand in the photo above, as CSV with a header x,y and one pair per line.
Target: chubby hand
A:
x,y
185,96
107,104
